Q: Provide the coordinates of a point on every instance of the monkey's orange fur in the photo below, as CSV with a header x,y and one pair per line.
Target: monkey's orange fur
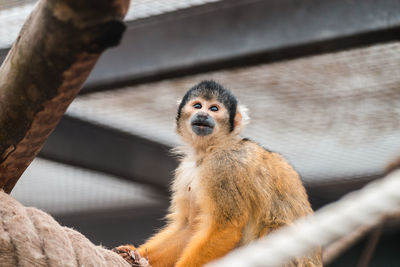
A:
x,y
227,192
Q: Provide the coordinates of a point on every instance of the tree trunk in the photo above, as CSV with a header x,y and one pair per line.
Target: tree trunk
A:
x,y
54,53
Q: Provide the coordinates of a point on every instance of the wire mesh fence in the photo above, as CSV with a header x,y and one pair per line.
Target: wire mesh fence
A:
x,y
334,116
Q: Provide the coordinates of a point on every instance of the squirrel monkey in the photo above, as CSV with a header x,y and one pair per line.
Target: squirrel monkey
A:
x,y
227,190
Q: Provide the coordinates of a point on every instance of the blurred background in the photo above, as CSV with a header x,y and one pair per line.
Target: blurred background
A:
x,y
321,80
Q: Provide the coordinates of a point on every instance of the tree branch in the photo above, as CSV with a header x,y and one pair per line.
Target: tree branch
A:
x,y
54,53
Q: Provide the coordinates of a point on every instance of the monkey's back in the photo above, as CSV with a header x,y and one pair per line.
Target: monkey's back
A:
x,y
287,196
267,184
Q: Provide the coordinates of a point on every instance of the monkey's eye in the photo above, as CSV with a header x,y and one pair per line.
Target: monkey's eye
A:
x,y
214,108
197,106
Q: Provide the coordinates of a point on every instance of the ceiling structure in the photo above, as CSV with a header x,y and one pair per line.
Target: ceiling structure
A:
x,y
321,80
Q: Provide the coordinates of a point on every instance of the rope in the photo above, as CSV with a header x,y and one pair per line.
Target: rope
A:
x,y
365,207
30,237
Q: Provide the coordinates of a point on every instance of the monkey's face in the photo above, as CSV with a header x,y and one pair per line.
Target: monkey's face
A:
x,y
203,119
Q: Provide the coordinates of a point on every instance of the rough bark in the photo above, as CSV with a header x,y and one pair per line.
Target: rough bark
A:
x,y
54,53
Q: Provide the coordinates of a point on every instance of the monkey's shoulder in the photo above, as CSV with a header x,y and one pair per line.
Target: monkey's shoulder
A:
x,y
243,154
256,152
265,156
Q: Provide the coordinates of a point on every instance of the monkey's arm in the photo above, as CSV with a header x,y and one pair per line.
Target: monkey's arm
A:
x,y
210,242
164,248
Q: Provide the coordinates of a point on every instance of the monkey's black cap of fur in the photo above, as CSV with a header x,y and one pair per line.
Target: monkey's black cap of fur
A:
x,y
210,90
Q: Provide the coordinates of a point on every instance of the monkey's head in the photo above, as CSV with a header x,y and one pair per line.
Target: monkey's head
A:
x,y
208,112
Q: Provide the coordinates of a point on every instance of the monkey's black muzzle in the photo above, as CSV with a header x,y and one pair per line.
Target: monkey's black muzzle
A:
x,y
202,124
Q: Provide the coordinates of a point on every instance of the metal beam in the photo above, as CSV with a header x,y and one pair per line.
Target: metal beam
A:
x,y
241,32
233,33
90,146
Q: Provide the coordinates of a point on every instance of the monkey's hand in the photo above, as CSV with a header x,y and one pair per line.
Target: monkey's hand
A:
x,y
131,255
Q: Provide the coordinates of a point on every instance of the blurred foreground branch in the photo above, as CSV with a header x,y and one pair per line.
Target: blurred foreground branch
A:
x,y
54,53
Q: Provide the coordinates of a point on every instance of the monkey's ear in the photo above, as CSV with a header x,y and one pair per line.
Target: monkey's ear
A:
x,y
241,119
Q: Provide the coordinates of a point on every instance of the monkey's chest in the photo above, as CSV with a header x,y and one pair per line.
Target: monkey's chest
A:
x,y
188,178
189,188
192,201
